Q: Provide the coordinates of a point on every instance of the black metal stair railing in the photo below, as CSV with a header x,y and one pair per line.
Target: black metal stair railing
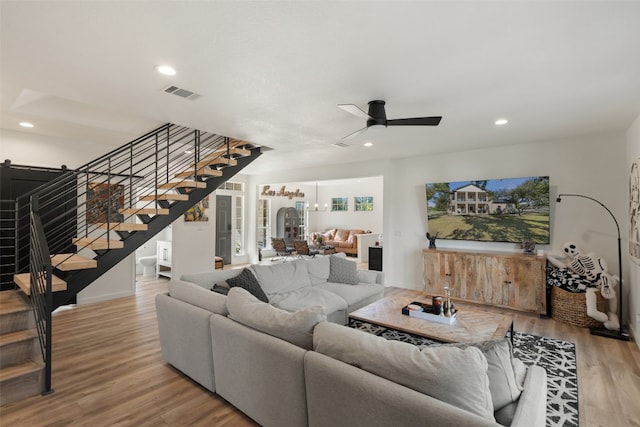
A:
x,y
90,202
41,291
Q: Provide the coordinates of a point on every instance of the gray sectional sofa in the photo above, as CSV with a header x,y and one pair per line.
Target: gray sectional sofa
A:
x,y
292,362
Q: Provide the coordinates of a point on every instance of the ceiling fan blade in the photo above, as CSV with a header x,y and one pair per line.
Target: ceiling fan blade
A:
x,y
353,109
417,121
358,132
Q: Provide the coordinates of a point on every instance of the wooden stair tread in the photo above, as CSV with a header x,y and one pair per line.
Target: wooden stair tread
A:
x,y
123,226
200,172
182,184
216,160
165,196
24,281
21,369
144,211
232,151
67,262
18,336
13,302
98,243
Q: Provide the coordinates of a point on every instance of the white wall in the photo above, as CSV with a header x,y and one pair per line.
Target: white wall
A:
x,y
30,148
193,244
633,278
589,165
370,186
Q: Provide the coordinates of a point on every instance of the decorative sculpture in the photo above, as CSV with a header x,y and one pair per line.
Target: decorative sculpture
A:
x,y
432,240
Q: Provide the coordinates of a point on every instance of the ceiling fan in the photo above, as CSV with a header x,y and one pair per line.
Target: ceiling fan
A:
x,y
376,117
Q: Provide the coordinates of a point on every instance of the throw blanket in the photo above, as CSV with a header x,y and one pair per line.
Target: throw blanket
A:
x,y
566,279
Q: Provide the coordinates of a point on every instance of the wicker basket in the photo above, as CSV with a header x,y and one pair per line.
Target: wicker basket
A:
x,y
571,308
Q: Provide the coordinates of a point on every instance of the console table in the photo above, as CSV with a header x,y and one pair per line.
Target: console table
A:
x,y
502,279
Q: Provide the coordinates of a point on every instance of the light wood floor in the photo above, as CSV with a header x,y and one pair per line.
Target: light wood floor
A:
x,y
108,370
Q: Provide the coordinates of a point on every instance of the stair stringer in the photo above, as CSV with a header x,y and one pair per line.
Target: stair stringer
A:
x,y
79,280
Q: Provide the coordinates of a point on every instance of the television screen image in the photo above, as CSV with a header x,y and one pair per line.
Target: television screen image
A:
x,y
497,210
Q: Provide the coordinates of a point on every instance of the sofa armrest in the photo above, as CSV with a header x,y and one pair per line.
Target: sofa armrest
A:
x,y
532,405
185,338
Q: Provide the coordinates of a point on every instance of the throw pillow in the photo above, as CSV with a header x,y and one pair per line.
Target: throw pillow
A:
x,y
221,289
506,372
319,269
342,270
296,327
246,280
285,277
450,374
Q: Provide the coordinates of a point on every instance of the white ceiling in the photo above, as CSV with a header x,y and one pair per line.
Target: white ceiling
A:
x,y
273,72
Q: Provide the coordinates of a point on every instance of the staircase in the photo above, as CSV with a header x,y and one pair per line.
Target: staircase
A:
x,y
82,224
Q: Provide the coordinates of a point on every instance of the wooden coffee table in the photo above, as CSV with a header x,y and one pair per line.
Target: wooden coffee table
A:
x,y
472,324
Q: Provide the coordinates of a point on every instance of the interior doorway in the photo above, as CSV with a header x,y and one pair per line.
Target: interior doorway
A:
x,y
223,228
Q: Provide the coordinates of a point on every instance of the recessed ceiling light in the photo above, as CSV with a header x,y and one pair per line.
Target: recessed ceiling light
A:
x,y
166,70
368,144
501,122
26,124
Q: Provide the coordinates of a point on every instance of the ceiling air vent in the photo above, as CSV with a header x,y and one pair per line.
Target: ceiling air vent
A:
x,y
182,93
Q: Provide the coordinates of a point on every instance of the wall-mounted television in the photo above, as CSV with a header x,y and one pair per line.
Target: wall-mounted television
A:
x,y
495,210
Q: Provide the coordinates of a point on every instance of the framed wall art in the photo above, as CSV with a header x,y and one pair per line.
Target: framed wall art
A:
x,y
104,200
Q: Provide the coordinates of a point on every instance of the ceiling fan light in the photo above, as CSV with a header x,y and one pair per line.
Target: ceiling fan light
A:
x,y
377,127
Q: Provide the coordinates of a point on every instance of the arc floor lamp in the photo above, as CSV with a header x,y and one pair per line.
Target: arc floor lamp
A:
x,y
619,334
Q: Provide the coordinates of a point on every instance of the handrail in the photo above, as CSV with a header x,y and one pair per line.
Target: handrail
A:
x,y
85,202
41,289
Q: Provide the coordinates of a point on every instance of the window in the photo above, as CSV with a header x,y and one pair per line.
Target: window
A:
x,y
339,204
302,230
363,204
232,186
264,221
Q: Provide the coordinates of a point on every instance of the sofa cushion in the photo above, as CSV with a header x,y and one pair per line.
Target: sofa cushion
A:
x,y
309,296
278,278
327,235
353,294
367,276
341,235
506,372
352,235
343,270
196,295
296,327
454,375
246,280
319,269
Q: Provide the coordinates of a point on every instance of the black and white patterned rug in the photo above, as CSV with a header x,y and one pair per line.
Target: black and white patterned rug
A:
x,y
557,357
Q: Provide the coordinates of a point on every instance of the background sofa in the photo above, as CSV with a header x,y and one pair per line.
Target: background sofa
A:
x,y
294,368
345,240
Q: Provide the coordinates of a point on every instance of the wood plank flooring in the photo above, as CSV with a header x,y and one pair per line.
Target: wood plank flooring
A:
x,y
108,370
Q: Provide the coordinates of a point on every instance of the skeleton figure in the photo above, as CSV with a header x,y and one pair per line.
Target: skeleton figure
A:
x,y
588,265
594,269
